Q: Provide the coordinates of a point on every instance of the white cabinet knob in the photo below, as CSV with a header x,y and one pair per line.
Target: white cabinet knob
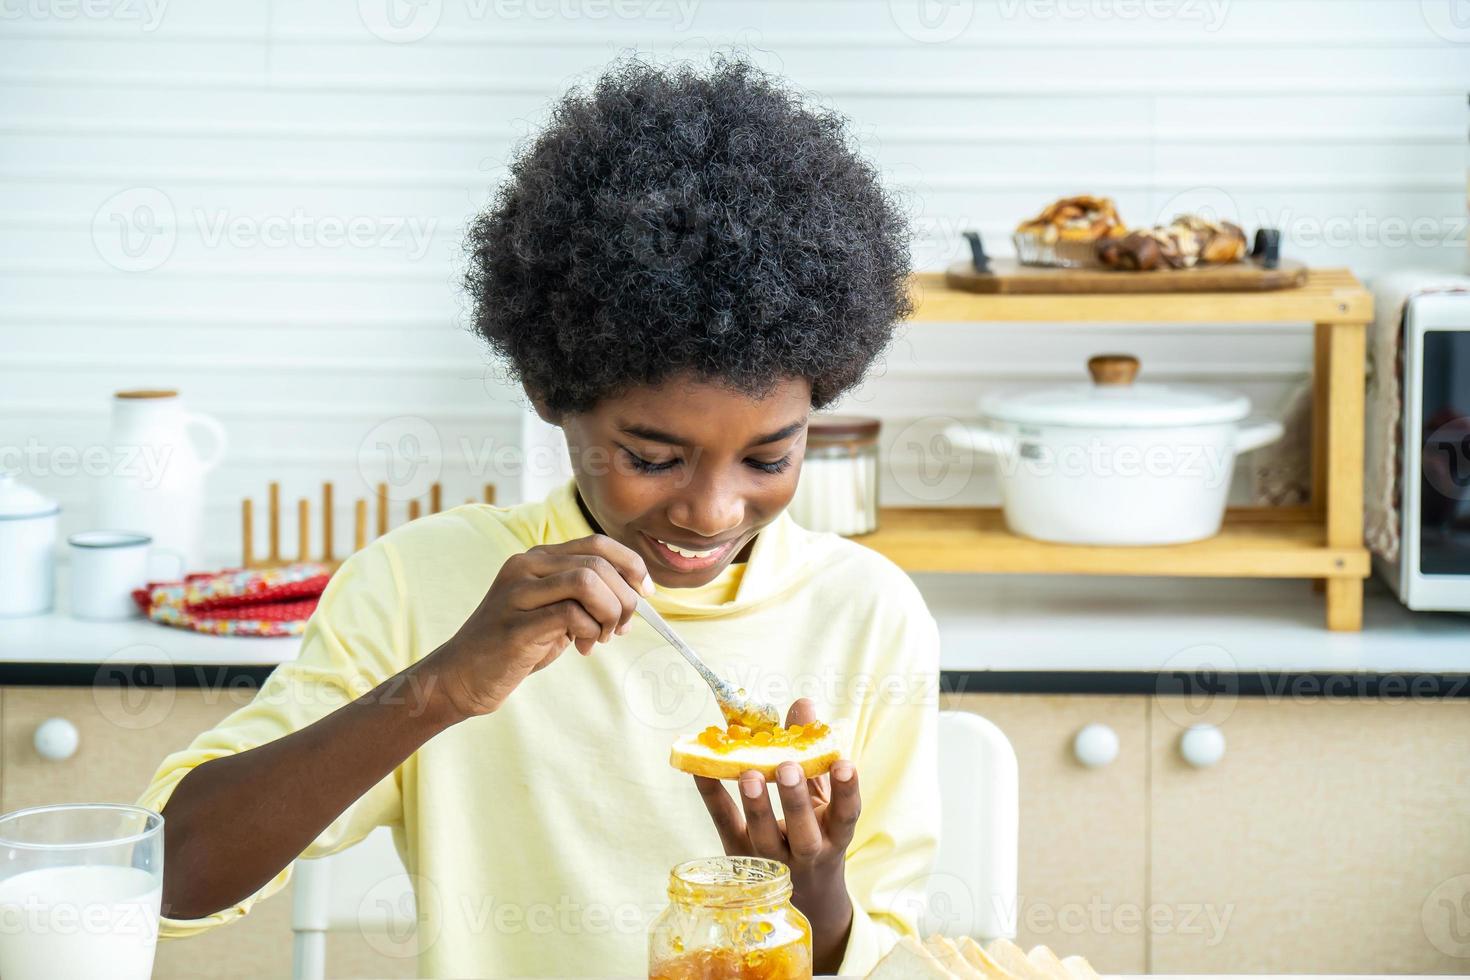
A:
x,y
1096,745
56,739
1202,746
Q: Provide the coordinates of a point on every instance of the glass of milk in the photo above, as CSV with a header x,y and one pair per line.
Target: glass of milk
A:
x,y
79,891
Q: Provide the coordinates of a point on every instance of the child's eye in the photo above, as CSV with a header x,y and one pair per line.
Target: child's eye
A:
x,y
647,465
775,466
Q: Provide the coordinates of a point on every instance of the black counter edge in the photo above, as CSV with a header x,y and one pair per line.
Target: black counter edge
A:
x,y
1296,685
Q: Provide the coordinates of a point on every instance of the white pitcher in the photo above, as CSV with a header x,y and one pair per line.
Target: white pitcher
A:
x,y
155,485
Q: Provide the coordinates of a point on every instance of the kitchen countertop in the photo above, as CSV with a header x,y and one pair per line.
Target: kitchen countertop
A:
x,y
1074,623
1025,633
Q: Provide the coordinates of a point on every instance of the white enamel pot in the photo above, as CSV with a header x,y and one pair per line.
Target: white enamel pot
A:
x,y
1114,462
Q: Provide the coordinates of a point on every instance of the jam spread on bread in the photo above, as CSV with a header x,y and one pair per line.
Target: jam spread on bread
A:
x,y
741,736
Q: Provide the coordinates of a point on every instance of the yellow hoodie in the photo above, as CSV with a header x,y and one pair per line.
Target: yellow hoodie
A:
x,y
541,836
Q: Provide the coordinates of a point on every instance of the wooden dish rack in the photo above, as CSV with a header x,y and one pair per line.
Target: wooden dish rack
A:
x,y
274,556
1322,541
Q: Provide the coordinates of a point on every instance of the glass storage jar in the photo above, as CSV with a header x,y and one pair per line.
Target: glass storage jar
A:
x,y
838,489
730,917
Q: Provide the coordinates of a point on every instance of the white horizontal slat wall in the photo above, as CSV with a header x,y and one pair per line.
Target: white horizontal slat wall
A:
x,y
1341,122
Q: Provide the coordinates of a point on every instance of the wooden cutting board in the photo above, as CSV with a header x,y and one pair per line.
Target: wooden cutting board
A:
x,y
1010,277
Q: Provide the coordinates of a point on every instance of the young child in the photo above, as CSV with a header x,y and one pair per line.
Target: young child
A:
x,y
678,270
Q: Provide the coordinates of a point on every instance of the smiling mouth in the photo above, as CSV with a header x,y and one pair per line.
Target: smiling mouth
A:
x,y
684,559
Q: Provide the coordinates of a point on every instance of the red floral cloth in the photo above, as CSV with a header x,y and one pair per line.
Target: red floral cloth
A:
x,y
238,602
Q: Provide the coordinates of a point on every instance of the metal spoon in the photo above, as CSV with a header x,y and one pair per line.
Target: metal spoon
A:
x,y
737,708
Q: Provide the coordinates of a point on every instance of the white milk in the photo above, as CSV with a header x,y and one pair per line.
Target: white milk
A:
x,y
78,922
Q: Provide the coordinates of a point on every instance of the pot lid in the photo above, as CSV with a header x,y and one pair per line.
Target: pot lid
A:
x,y
1113,400
18,500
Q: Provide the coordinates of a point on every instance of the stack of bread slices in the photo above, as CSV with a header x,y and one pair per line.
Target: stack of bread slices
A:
x,y
941,958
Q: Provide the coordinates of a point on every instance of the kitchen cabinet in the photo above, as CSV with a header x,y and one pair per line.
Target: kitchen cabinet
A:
x,y
121,736
1324,832
1084,831
1316,835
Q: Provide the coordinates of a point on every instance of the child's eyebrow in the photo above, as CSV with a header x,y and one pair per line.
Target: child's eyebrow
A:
x,y
658,435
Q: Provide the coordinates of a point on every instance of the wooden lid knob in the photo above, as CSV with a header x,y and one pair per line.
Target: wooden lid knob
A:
x,y
1113,369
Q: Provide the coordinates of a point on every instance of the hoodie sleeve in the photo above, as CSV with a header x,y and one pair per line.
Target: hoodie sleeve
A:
x,y
897,836
355,640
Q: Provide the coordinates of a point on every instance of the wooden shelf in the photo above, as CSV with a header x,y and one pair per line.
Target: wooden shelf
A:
x,y
1285,542
1323,541
1330,296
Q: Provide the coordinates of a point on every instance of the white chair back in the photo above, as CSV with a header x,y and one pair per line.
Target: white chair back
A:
x,y
973,889
363,889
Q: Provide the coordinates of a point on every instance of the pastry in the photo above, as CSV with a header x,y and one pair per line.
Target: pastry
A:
x,y
1189,241
1067,232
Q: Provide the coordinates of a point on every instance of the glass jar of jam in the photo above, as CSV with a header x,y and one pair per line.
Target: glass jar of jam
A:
x,y
730,917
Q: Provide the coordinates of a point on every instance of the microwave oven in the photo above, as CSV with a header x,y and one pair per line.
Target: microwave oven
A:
x,y
1433,567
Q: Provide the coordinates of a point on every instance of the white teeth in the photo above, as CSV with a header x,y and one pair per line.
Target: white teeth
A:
x,y
686,552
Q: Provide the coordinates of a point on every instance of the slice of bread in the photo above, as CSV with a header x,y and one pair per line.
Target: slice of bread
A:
x,y
908,960
982,961
1046,961
1079,968
1012,958
689,754
949,957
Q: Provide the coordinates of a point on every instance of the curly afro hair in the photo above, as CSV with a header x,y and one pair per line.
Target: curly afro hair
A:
x,y
670,221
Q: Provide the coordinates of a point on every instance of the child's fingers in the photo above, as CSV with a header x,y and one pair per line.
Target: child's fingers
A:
x,y
803,832
847,804
760,820
802,712
726,815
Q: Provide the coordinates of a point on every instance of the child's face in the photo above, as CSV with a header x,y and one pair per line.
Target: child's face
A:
x,y
689,464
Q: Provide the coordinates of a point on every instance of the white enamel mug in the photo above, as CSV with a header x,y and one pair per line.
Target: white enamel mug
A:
x,y
106,566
